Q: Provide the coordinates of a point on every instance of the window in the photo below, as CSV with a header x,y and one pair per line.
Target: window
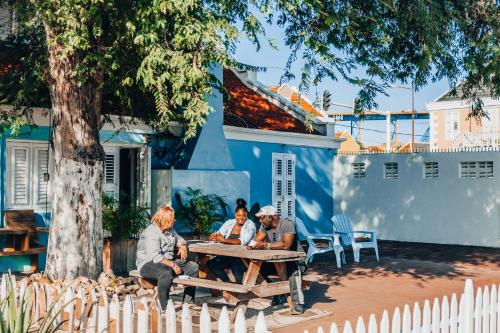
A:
x,y
476,169
452,124
431,170
284,184
28,168
111,170
390,170
359,170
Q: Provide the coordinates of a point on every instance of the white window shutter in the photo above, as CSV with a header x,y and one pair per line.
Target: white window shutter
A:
x,y
290,185
41,168
284,184
111,169
277,189
20,176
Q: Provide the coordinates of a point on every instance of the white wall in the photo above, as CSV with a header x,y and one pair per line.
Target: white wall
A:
x,y
447,210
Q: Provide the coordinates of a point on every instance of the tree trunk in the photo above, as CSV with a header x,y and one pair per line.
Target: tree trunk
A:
x,y
76,237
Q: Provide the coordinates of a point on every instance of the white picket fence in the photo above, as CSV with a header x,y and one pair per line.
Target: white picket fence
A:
x,y
95,313
479,314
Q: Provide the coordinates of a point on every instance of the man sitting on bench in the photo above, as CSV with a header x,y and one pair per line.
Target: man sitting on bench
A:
x,y
162,254
277,233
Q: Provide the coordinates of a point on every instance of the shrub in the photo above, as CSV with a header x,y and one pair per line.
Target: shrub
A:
x,y
201,210
123,221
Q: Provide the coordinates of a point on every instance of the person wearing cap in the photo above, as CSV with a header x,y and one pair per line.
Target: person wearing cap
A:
x,y
277,233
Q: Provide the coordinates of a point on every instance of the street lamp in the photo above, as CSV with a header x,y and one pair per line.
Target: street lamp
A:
x,y
412,112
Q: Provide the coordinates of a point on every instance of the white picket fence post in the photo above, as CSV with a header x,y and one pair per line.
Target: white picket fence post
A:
x,y
170,319
396,321
114,315
224,323
260,324
142,316
494,307
240,324
205,320
454,314
128,315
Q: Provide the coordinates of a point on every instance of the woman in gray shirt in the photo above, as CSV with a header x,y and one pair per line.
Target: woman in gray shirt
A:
x,y
162,254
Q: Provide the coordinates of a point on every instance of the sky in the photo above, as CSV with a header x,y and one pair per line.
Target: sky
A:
x,y
342,92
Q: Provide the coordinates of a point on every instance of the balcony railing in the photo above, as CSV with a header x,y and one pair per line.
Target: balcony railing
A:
x,y
485,139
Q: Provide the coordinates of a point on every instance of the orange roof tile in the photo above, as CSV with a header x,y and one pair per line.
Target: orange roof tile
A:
x,y
376,148
247,108
274,88
304,104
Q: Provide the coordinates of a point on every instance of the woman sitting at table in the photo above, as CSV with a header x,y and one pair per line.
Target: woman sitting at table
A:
x,y
162,254
238,231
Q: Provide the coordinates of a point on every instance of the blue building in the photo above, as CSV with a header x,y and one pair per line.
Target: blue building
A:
x,y
255,146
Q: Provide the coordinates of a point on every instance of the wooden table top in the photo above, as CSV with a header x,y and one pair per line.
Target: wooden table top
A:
x,y
242,252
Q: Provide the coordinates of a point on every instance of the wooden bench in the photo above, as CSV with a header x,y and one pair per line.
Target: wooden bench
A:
x,y
20,230
260,290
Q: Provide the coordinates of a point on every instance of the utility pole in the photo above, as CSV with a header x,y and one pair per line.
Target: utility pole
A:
x,y
412,89
412,117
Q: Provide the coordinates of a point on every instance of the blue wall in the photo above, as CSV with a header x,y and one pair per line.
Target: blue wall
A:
x,y
313,182
42,218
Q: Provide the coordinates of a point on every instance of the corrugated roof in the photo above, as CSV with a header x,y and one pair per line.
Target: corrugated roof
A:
x,y
449,96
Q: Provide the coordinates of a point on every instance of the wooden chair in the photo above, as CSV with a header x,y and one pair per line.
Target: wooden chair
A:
x,y
343,226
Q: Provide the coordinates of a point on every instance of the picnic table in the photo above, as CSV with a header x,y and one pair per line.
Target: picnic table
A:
x,y
241,294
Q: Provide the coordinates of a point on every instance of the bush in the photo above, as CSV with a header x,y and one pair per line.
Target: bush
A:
x,y
201,210
123,221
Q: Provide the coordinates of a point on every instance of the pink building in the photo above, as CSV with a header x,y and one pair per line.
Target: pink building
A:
x,y
450,128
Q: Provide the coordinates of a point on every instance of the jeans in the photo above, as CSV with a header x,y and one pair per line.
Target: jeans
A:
x,y
294,276
165,275
218,265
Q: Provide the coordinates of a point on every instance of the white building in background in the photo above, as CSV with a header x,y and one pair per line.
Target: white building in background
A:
x,y
451,128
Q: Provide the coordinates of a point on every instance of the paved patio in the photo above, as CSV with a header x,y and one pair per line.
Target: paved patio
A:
x,y
407,272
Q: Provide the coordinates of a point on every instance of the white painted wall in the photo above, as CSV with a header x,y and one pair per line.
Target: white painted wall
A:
x,y
447,210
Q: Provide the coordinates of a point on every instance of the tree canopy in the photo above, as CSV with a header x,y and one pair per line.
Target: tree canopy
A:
x,y
155,56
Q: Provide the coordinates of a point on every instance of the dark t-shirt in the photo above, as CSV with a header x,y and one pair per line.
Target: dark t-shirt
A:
x,y
285,226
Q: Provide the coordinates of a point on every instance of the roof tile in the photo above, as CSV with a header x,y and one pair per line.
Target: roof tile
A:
x,y
247,108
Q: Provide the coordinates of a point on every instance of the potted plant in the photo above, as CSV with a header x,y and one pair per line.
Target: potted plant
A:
x,y
122,222
200,210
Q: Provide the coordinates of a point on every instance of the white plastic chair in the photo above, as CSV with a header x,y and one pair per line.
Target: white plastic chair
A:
x,y
343,226
332,239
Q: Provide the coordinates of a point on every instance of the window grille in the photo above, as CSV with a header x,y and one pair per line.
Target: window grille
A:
x,y
359,170
476,169
431,170
391,171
